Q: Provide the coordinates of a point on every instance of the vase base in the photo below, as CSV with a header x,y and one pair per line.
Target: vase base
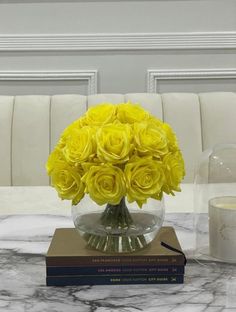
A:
x,y
119,240
116,243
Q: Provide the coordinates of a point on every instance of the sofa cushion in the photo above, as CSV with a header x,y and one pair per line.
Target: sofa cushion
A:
x,y
30,126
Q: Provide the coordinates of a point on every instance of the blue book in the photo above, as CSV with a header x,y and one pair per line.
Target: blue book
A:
x,y
113,280
114,270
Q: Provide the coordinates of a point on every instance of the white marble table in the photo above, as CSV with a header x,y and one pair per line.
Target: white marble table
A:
x,y
24,239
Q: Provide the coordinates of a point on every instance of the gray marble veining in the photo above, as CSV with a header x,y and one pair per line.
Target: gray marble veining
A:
x,y
24,240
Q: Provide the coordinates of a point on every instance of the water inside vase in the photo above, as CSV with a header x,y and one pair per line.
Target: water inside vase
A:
x,y
121,239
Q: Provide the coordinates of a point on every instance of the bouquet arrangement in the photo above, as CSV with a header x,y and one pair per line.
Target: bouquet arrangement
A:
x,y
116,151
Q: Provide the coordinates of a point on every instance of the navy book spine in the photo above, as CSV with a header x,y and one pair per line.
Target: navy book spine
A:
x,y
113,280
112,270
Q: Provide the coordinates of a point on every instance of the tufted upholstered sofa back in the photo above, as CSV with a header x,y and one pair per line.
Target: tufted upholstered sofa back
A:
x,y
31,125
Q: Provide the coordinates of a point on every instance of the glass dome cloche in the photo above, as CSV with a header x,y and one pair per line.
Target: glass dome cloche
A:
x,y
114,163
215,204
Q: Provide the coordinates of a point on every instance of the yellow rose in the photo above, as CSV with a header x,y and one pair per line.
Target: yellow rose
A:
x,y
101,114
174,172
171,137
124,151
55,158
130,113
82,122
65,136
150,140
105,184
144,179
81,145
67,181
114,143
155,121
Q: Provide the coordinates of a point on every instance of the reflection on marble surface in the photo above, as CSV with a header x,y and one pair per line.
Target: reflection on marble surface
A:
x,y
24,240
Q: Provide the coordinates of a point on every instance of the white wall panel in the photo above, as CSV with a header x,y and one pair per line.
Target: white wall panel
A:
x,y
122,40
117,16
119,41
123,72
46,82
191,80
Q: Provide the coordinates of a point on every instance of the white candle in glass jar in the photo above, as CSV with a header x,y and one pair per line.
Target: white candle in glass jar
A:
x,y
222,228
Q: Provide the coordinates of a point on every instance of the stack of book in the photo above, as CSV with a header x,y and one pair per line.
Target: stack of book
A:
x,y
70,262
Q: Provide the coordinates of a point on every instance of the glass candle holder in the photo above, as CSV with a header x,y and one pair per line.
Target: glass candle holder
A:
x,y
215,204
222,228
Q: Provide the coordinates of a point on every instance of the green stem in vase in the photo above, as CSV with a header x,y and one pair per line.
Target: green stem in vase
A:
x,y
117,216
118,224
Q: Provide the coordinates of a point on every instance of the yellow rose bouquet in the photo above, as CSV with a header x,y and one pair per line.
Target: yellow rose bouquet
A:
x,y
115,152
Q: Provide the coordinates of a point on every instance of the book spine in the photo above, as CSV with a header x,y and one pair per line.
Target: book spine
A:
x,y
115,260
113,280
90,270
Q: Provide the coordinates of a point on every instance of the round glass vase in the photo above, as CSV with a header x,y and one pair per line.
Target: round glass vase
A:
x,y
118,228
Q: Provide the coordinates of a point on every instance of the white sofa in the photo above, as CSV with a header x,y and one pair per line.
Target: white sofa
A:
x,y
31,125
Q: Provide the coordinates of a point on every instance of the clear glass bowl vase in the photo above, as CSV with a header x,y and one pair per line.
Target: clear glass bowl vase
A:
x,y
118,228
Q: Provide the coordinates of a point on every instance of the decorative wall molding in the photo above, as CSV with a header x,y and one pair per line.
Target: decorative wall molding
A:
x,y
118,41
88,75
153,75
